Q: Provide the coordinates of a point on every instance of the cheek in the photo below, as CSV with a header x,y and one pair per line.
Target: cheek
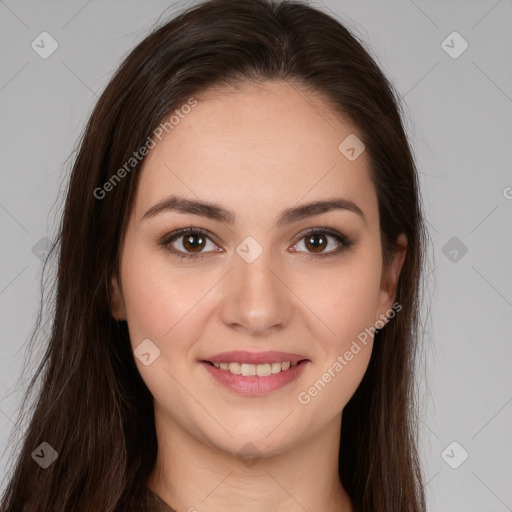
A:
x,y
161,303
343,357
344,298
347,304
167,303
170,308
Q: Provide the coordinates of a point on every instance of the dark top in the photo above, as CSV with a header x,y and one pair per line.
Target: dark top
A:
x,y
157,504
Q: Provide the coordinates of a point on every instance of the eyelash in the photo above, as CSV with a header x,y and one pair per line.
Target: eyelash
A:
x,y
166,240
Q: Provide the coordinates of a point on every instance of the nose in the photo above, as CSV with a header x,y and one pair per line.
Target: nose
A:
x,y
256,299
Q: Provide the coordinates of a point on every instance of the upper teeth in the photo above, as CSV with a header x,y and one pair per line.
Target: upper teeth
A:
x,y
261,370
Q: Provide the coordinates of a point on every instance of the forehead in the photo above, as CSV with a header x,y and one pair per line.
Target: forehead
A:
x,y
252,147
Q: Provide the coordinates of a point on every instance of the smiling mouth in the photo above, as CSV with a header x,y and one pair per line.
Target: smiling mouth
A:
x,y
259,370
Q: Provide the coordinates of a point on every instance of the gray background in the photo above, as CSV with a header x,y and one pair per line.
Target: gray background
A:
x,y
458,112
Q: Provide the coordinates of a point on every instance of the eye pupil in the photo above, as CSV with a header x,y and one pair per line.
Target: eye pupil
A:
x,y
189,244
317,247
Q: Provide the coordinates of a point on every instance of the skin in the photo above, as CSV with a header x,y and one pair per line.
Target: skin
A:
x,y
255,151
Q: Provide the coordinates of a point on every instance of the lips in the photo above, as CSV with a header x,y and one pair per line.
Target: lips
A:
x,y
254,373
255,384
255,358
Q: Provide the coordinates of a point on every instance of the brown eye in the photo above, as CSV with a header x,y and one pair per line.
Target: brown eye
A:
x,y
194,242
316,243
322,242
189,243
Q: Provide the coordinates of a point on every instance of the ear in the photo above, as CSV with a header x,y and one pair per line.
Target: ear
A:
x,y
117,306
390,275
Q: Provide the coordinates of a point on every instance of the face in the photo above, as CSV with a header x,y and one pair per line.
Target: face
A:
x,y
255,280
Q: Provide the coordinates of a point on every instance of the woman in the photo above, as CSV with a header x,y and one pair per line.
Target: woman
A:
x,y
237,299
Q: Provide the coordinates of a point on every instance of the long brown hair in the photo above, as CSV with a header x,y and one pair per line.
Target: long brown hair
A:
x,y
92,406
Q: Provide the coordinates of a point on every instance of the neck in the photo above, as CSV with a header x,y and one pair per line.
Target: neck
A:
x,y
192,474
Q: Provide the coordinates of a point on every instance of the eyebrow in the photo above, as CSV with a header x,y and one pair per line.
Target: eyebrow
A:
x,y
218,213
